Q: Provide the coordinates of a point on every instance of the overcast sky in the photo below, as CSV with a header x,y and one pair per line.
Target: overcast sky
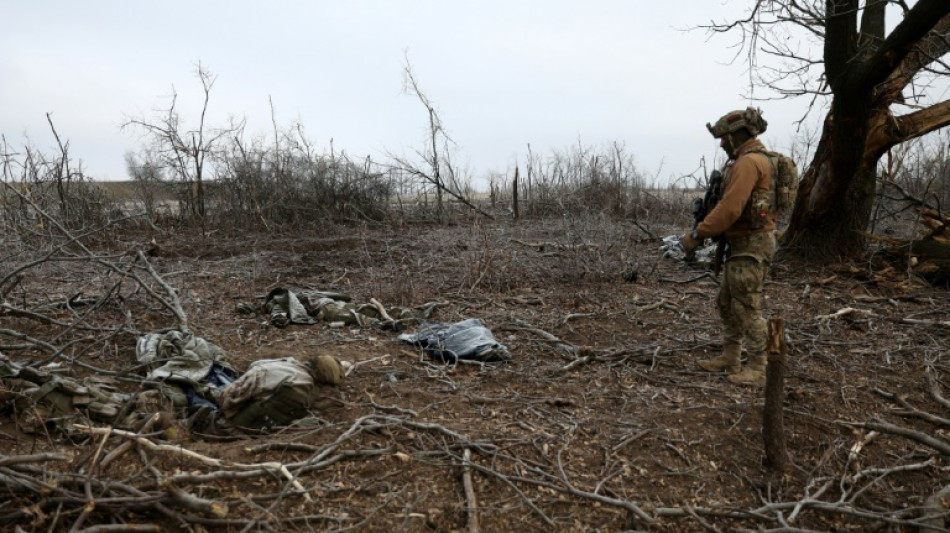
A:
x,y
502,74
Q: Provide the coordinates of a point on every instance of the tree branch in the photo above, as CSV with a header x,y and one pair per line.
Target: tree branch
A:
x,y
921,122
918,22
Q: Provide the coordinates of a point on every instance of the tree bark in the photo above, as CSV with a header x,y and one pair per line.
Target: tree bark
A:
x,y
832,213
773,426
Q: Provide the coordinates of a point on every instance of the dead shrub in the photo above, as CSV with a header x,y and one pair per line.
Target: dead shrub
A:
x,y
292,191
585,181
40,187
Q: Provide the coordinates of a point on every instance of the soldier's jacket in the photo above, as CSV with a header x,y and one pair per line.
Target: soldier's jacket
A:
x,y
275,392
750,173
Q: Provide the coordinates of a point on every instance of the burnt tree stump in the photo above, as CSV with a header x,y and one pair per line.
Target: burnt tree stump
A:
x,y
773,426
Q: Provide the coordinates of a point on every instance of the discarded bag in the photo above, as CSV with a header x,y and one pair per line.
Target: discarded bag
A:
x,y
276,392
465,340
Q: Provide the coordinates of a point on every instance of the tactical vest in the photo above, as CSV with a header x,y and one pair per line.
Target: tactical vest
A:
x,y
761,205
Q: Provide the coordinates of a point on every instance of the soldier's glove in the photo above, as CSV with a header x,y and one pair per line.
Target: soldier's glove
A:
x,y
690,242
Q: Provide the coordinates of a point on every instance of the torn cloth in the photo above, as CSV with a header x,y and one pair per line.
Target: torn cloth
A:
x,y
195,365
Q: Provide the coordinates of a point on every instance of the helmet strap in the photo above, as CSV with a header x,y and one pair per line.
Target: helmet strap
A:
x,y
729,146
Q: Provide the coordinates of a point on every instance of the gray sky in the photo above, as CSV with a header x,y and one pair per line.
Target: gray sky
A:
x,y
502,74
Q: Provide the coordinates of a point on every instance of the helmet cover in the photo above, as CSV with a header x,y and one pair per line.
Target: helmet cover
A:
x,y
750,119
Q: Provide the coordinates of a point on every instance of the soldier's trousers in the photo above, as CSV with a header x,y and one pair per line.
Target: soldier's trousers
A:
x,y
740,304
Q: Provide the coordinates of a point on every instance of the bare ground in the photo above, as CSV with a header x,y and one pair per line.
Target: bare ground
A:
x,y
601,421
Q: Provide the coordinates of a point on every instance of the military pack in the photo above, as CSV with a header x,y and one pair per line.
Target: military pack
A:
x,y
784,179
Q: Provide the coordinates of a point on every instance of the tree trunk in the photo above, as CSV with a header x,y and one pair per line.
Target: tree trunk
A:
x,y
828,222
836,194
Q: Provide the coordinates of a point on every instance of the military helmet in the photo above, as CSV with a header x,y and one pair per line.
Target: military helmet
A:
x,y
750,119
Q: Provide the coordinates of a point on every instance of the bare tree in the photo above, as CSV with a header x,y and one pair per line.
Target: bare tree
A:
x,y
439,170
183,153
881,89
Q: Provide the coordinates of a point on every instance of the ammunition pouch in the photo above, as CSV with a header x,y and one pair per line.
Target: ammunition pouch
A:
x,y
759,209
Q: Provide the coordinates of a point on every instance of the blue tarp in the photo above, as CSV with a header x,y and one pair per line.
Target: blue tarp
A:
x,y
465,340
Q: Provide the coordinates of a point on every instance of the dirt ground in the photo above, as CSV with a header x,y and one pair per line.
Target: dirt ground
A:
x,y
600,421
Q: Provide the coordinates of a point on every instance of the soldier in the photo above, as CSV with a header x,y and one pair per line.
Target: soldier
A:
x,y
745,218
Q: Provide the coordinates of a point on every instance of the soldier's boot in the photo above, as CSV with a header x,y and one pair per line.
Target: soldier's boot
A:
x,y
753,373
728,361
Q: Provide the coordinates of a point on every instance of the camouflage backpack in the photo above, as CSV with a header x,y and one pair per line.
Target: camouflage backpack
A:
x,y
784,179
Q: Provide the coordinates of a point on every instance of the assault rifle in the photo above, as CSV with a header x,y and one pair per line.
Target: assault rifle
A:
x,y
701,208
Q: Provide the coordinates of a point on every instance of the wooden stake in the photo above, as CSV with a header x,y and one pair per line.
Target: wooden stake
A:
x,y
773,426
471,503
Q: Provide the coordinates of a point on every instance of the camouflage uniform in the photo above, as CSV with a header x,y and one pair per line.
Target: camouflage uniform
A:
x,y
745,217
740,294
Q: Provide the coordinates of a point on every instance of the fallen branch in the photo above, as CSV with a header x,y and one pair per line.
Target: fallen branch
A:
x,y
690,280
653,306
910,410
510,482
9,460
844,312
920,437
918,322
210,461
173,304
610,355
563,348
569,488
541,246
935,511
128,444
935,388
121,528
859,445
382,310
193,503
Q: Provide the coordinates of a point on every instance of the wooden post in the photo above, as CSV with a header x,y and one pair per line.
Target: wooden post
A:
x,y
773,426
514,194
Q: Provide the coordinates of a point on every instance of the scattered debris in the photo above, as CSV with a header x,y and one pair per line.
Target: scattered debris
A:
x,y
187,369
673,249
294,306
927,256
45,400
